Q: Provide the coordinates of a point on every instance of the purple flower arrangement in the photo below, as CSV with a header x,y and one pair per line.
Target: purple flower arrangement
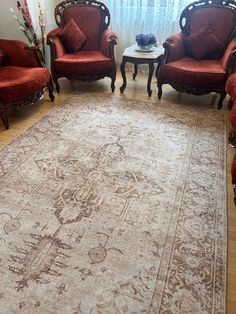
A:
x,y
145,41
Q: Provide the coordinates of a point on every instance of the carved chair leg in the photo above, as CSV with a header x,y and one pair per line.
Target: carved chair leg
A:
x,y
4,117
220,102
55,79
230,104
50,90
159,85
113,85
113,79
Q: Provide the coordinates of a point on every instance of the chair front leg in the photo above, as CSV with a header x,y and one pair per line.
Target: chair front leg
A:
x,y
220,102
55,80
50,90
4,117
113,78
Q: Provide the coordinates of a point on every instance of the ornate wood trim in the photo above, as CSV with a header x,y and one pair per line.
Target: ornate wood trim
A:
x,y
59,10
194,90
101,7
184,21
30,99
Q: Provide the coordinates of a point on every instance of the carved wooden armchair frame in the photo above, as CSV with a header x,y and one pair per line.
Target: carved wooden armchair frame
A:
x,y
30,98
170,44
111,40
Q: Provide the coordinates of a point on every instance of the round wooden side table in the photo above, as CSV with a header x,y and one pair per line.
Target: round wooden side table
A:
x,y
133,55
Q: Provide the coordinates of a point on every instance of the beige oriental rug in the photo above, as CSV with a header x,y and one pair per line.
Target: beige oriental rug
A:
x,y
115,206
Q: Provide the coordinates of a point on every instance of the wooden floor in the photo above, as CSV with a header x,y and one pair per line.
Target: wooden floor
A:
x,y
22,119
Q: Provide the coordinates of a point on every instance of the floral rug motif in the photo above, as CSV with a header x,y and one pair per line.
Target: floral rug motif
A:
x,y
111,205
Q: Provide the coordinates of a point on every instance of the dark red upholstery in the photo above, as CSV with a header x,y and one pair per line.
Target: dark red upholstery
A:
x,y
72,37
227,55
83,62
233,170
176,47
22,77
231,90
96,58
18,54
2,56
89,20
18,82
217,18
206,69
202,43
105,44
198,72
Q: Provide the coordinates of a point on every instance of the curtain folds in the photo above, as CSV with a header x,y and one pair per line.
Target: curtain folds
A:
x,y
132,17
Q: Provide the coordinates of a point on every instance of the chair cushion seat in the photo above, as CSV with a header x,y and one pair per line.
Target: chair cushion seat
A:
x,y
19,82
231,86
200,73
83,62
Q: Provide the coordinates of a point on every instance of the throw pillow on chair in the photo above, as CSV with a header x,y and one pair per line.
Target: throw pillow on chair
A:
x,y
202,43
72,37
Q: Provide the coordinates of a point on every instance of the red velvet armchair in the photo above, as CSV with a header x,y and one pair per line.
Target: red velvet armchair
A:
x,y
199,59
22,77
231,90
94,58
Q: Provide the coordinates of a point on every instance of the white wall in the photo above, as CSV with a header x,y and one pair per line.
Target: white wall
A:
x,y
9,28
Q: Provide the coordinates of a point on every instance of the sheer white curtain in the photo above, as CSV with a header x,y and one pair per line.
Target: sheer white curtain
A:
x,y
131,17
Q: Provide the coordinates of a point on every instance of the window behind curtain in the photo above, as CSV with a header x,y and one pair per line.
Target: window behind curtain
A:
x,y
131,17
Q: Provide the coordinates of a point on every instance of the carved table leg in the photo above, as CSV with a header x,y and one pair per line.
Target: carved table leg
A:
x,y
135,71
151,69
122,70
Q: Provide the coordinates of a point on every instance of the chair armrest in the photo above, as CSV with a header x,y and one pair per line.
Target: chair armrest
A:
x,y
19,54
109,40
56,46
174,47
228,59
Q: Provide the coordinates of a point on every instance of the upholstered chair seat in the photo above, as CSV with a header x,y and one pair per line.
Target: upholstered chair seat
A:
x,y
16,82
199,59
23,77
198,72
83,63
82,47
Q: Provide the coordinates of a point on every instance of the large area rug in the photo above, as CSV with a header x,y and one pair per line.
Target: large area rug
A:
x,y
109,205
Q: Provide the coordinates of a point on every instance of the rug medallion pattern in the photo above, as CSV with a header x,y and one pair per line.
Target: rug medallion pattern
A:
x,y
115,206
